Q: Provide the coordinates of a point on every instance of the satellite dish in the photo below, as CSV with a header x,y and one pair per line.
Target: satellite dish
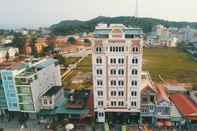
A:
x,y
69,127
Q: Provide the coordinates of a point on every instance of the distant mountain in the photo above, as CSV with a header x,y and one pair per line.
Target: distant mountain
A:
x,y
76,26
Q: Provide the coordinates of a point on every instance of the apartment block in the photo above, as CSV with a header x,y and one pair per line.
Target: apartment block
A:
x,y
117,66
22,85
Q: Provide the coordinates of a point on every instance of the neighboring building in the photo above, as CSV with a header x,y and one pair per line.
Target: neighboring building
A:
x,y
163,108
186,107
4,51
171,89
161,40
193,96
25,83
52,97
148,99
40,44
117,64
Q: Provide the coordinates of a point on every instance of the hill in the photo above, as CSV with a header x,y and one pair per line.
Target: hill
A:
x,y
76,26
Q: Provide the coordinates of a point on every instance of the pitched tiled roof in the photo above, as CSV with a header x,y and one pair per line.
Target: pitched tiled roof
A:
x,y
161,94
184,104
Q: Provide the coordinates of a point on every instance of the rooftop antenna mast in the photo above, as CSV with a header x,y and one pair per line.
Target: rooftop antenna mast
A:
x,y
136,9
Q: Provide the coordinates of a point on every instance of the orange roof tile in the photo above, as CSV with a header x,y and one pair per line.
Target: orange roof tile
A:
x,y
184,104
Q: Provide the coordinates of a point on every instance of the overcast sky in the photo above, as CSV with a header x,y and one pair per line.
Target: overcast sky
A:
x,y
36,13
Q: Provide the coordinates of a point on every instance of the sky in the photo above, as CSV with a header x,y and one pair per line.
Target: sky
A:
x,y
43,13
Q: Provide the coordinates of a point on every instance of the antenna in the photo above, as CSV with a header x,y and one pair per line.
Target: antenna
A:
x,y
136,9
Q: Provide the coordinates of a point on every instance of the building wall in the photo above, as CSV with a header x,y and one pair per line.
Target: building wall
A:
x,y
9,90
118,92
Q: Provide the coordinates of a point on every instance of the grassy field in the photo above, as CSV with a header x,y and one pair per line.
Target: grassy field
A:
x,y
171,64
83,66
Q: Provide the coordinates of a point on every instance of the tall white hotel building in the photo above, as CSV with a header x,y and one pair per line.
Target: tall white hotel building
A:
x,y
117,66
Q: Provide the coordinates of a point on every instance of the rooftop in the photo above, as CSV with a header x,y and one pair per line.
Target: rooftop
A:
x,y
52,91
176,88
184,104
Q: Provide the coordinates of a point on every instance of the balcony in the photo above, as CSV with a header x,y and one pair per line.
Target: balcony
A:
x,y
23,81
148,109
27,107
25,99
23,90
163,112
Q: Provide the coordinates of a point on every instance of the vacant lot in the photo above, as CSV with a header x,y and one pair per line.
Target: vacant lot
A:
x,y
84,66
170,64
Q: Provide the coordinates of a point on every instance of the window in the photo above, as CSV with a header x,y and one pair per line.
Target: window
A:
x,y
99,82
101,114
133,93
98,49
98,60
135,49
113,103
100,103
50,102
113,60
134,83
117,49
135,61
113,93
121,83
45,101
99,72
134,71
121,71
133,103
113,71
9,78
129,36
121,49
121,61
113,83
120,103
100,93
120,93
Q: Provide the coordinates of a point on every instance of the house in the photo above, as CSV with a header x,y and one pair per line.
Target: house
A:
x,y
186,107
171,89
40,44
50,98
148,99
163,107
10,51
24,83
193,96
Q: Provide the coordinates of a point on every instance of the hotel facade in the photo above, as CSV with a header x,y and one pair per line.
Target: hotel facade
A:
x,y
117,65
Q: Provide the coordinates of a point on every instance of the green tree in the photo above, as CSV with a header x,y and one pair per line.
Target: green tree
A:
x,y
33,46
72,40
7,56
87,42
19,41
51,40
61,59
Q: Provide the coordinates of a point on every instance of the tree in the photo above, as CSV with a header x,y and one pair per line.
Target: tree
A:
x,y
33,46
7,56
87,42
61,60
71,40
19,41
51,40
